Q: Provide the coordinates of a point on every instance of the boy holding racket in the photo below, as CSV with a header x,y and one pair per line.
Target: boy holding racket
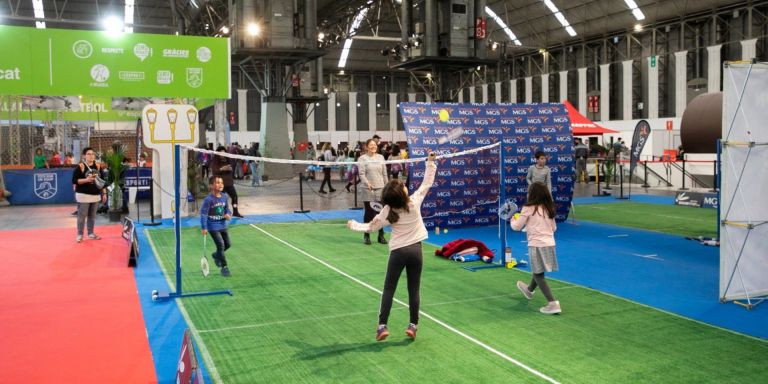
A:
x,y
213,219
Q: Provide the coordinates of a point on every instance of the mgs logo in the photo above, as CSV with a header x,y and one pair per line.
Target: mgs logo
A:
x,y
194,77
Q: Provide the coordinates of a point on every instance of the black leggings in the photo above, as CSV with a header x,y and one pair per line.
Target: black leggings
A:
x,y
411,259
326,179
539,280
230,190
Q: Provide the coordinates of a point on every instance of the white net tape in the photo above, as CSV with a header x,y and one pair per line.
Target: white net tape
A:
x,y
337,163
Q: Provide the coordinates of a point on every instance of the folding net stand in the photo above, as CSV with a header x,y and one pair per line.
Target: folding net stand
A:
x,y
161,295
743,210
498,258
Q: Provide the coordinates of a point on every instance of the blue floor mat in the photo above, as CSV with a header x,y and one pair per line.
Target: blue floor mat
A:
x,y
666,272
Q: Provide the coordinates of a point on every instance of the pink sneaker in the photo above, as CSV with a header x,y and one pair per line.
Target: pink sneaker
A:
x,y
524,290
411,331
552,308
382,333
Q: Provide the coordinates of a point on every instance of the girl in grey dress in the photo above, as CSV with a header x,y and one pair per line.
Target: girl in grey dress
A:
x,y
373,176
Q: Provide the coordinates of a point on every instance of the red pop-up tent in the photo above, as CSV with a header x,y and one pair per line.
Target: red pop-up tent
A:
x,y
581,125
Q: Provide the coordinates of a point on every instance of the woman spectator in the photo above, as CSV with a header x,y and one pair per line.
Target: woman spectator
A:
x,y
87,193
222,166
328,155
373,175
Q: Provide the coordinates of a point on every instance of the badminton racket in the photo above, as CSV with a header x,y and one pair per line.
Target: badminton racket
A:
x,y
451,135
507,210
204,267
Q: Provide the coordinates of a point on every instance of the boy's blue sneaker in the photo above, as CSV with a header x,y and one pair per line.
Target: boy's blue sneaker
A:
x,y
411,331
382,333
225,271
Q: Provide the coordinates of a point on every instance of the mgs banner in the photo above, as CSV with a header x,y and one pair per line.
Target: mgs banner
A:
x,y
60,62
466,189
639,138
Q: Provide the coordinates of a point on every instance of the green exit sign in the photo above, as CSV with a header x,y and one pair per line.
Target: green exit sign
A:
x,y
653,61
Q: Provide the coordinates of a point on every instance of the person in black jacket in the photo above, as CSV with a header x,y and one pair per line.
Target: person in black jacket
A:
x,y
223,167
87,193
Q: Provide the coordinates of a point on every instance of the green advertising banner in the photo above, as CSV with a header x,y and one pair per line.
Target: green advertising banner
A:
x,y
61,62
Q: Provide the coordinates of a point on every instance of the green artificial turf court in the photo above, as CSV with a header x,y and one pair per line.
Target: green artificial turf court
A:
x,y
309,315
674,219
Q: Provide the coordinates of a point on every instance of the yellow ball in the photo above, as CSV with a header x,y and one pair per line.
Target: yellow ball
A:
x,y
443,115
445,231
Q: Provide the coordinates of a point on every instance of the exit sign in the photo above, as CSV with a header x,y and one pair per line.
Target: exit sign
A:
x,y
653,61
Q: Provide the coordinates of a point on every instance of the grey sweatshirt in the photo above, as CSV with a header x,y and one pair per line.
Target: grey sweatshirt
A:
x,y
541,175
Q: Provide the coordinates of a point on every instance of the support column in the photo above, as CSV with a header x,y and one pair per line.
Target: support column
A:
x,y
471,94
653,88
605,89
626,90
372,112
681,82
288,122
331,115
221,125
563,86
583,91
311,117
513,91
392,114
529,90
461,95
545,87
411,97
242,110
497,88
713,68
748,49
273,137
485,93
352,111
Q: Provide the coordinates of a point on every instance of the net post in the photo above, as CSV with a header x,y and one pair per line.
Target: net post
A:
x,y
176,213
645,174
683,188
356,208
597,179
301,195
621,183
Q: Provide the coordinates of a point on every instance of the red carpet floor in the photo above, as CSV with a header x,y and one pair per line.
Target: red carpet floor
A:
x,y
69,312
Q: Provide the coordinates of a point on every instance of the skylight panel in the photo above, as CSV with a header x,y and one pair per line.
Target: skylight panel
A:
x,y
635,9
503,26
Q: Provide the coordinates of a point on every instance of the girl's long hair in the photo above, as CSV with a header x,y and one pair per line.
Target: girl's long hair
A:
x,y
539,195
395,196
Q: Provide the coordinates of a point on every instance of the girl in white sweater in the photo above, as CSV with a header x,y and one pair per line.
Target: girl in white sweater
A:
x,y
403,213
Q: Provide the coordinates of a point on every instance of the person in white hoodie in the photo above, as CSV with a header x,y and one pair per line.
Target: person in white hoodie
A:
x,y
403,214
538,217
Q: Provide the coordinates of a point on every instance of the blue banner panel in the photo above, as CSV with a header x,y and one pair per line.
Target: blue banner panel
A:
x,y
467,188
144,182
40,186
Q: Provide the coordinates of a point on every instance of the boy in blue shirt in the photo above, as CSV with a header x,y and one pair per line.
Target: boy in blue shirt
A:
x,y
213,219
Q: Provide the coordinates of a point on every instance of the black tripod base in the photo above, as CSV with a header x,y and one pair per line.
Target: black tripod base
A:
x,y
152,224
356,208
302,211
